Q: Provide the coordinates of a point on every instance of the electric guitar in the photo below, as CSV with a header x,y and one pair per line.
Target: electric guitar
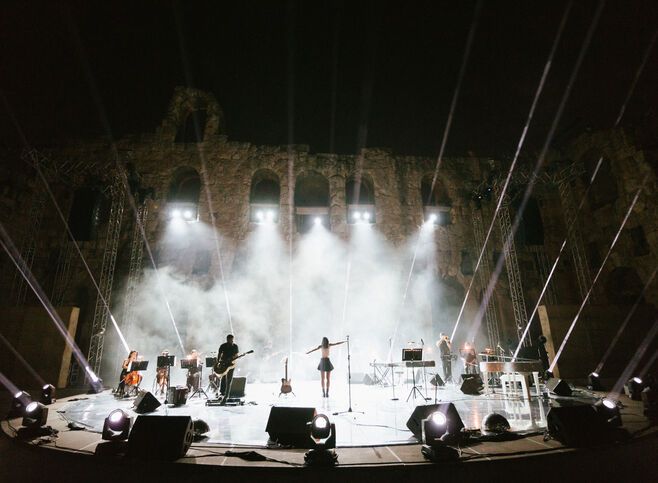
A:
x,y
223,366
285,382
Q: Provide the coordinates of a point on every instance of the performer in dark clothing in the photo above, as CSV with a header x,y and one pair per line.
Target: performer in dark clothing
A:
x,y
225,354
194,372
541,352
446,357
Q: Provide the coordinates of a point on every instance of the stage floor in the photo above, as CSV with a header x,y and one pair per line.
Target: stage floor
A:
x,y
382,421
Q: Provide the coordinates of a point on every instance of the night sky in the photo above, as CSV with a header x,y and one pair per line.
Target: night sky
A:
x,y
381,73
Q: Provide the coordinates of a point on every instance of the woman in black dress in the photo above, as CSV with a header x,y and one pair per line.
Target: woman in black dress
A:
x,y
325,366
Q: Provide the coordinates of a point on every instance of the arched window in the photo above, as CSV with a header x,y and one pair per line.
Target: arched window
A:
x,y
435,200
311,201
193,129
360,197
604,188
183,196
264,196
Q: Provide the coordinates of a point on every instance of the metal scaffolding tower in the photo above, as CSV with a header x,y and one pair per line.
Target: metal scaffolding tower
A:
x,y
574,237
484,275
135,271
513,272
543,268
102,312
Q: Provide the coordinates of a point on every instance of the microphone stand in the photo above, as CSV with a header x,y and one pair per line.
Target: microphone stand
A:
x,y
349,383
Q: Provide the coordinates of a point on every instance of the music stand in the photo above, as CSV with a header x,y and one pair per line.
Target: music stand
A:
x,y
194,364
166,361
139,366
413,355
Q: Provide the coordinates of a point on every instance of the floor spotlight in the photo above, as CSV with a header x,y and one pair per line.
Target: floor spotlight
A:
x,y
433,218
317,220
323,434
366,216
47,394
35,416
116,426
634,388
187,214
260,216
356,215
608,410
594,382
18,404
175,213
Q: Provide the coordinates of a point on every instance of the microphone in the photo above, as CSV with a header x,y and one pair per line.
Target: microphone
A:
x,y
422,341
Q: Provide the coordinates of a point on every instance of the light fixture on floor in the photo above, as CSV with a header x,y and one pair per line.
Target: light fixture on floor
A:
x,y
594,382
634,388
608,410
116,426
323,434
19,402
435,435
47,394
35,416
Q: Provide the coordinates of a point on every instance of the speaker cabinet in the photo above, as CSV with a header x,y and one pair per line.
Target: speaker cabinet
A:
x,y
578,426
471,385
558,387
454,422
160,437
177,395
237,387
145,403
287,426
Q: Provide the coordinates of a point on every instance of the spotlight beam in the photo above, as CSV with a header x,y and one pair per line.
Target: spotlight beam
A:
x,y
598,273
4,380
14,255
581,204
535,175
503,192
635,360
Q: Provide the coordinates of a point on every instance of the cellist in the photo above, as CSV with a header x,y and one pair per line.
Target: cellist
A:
x,y
125,370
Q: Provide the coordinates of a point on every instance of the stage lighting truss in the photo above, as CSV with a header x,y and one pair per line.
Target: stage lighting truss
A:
x,y
361,214
35,415
264,213
116,426
47,394
437,215
184,212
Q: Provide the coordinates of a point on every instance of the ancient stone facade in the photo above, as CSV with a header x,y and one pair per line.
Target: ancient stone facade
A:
x,y
227,170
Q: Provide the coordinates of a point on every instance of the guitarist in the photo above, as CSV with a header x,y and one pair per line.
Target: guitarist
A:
x,y
226,352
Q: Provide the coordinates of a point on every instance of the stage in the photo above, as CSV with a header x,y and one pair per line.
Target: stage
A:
x,y
371,446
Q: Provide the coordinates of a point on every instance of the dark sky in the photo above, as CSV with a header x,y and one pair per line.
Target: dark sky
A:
x,y
386,70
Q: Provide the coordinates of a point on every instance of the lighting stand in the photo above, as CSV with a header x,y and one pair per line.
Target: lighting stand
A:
x,y
349,382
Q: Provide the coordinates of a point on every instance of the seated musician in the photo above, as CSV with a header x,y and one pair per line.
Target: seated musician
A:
x,y
446,357
125,369
161,376
225,354
470,359
194,372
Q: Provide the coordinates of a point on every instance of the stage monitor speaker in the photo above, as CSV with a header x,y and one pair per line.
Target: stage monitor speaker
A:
x,y
437,381
237,387
287,426
558,387
177,395
145,403
415,422
160,437
578,426
471,385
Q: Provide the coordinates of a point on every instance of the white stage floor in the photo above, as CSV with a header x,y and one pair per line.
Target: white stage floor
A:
x,y
383,421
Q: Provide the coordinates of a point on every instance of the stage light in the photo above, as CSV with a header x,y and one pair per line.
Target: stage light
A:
x,y
116,426
594,382
18,404
366,216
634,388
432,218
435,435
607,409
317,220
47,394
494,424
438,418
36,415
323,434
259,215
356,215
187,214
270,215
175,213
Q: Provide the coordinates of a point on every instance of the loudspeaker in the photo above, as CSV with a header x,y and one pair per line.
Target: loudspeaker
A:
x,y
160,437
559,387
237,387
471,385
145,403
287,426
454,423
177,395
578,426
437,381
